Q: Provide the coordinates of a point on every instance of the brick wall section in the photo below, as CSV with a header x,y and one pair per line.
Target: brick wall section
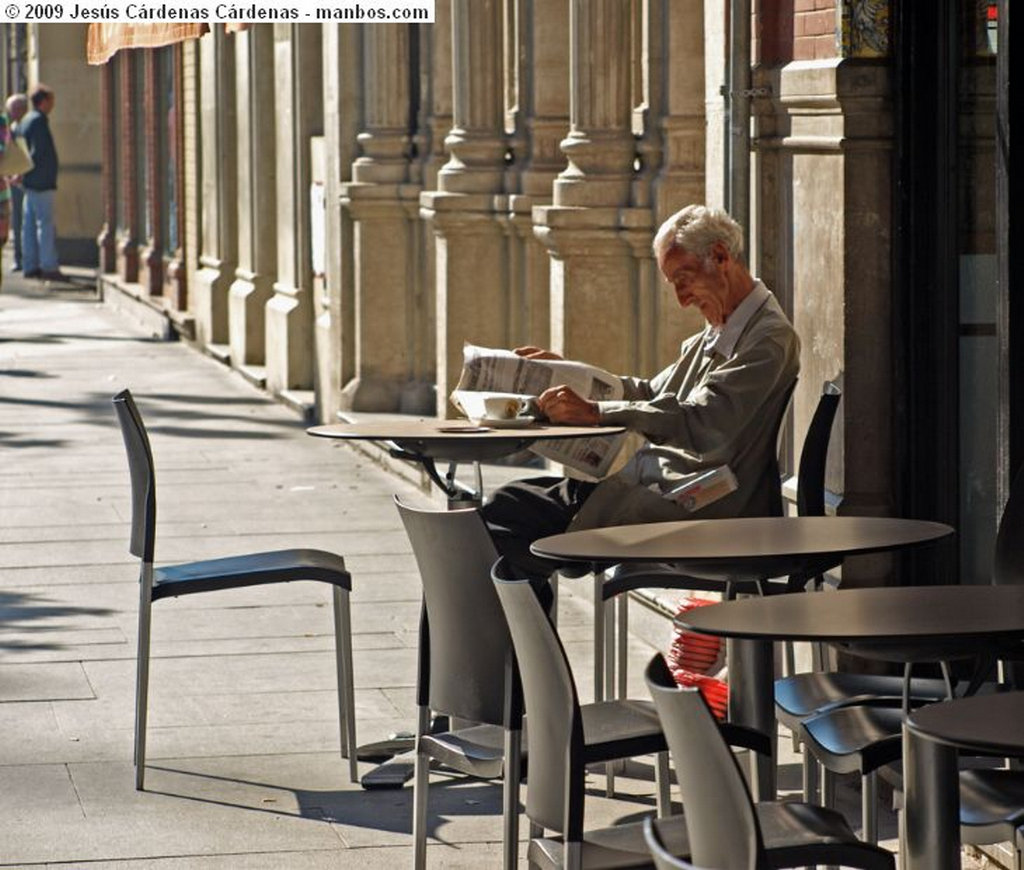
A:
x,y
814,29
786,30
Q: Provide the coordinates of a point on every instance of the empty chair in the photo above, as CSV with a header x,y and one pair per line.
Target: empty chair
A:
x,y
212,575
726,829
563,737
465,656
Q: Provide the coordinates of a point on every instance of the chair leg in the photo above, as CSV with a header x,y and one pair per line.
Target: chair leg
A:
x,y
622,645
420,786
811,777
346,680
510,798
600,632
142,674
828,788
662,782
572,855
869,807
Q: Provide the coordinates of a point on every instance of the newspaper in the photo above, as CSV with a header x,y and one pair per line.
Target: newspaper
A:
x,y
492,370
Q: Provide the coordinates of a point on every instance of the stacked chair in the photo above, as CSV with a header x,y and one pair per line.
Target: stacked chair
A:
x,y
212,575
861,733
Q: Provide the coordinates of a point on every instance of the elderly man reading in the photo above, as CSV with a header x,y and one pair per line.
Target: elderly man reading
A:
x,y
718,404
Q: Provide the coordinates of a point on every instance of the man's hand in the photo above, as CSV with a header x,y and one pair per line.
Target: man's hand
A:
x,y
531,352
562,405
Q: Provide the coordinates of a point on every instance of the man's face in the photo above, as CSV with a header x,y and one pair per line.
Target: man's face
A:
x,y
46,106
698,282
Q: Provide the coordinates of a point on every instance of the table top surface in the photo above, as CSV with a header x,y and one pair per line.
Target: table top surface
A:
x,y
434,429
458,440
983,723
905,614
739,541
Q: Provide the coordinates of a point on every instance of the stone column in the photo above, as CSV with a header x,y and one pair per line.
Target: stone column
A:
x,y
335,324
106,241
151,260
257,196
433,123
543,119
383,205
128,226
299,89
464,211
825,218
219,239
594,299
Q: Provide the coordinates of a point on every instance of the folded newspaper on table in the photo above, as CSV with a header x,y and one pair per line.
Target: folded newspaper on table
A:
x,y
501,371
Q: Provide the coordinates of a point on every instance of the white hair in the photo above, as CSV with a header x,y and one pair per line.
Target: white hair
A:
x,y
695,229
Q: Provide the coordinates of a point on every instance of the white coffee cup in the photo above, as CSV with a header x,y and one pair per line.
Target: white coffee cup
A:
x,y
503,406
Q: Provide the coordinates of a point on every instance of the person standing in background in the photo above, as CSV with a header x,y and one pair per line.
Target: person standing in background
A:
x,y
17,106
38,234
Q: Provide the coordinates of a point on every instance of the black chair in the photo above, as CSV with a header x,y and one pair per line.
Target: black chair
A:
x,y
800,696
465,665
726,829
863,738
213,575
563,737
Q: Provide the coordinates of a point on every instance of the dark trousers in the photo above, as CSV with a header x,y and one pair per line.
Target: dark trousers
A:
x,y
17,195
521,512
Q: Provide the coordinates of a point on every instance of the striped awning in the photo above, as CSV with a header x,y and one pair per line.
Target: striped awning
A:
x,y
105,40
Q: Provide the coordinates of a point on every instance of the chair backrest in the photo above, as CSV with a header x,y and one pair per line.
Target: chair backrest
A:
x,y
554,732
1008,564
663,859
810,489
464,639
720,818
140,466
773,474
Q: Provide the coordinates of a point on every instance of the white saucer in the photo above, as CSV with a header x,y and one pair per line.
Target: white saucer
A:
x,y
510,423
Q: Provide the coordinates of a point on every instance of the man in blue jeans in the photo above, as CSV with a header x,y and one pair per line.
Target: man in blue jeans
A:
x,y
38,235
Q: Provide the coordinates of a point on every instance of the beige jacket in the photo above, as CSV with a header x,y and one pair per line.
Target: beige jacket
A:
x,y
703,411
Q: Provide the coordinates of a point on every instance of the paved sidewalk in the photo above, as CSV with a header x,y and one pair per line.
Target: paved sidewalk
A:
x,y
243,763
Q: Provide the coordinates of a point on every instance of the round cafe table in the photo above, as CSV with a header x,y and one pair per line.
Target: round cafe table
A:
x,y
424,440
932,736
768,546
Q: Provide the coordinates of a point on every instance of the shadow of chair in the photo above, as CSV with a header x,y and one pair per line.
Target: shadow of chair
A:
x,y
213,575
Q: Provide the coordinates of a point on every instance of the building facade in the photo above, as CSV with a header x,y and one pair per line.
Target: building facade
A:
x,y
334,210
